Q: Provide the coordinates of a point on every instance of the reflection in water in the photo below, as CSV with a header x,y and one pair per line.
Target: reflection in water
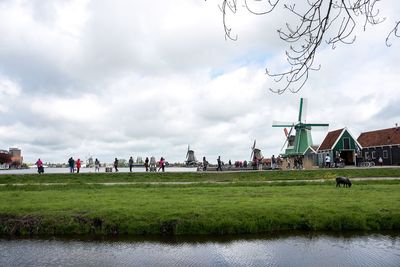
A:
x,y
370,250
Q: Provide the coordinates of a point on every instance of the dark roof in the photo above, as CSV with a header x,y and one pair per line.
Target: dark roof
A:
x,y
330,140
383,137
314,147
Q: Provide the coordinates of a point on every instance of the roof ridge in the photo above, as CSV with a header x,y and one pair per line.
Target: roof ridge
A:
x,y
381,130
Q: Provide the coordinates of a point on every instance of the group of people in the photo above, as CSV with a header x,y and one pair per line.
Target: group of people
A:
x,y
76,165
337,161
150,165
297,163
255,163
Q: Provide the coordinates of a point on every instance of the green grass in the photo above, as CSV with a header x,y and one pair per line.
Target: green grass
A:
x,y
200,176
197,208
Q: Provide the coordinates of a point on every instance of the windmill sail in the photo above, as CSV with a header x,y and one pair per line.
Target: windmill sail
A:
x,y
298,143
255,152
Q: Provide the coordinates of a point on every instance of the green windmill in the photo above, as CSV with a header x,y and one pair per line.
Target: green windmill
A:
x,y
297,144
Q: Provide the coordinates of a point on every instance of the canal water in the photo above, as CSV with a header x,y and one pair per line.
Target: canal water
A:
x,y
300,250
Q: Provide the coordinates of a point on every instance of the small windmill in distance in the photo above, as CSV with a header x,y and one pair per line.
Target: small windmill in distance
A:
x,y
190,157
255,153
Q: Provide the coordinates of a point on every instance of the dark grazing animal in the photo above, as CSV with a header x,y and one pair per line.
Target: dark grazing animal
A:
x,y
343,180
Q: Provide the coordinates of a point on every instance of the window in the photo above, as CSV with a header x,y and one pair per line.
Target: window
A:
x,y
346,143
366,155
385,154
373,154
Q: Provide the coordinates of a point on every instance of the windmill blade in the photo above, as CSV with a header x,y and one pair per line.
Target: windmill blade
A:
x,y
252,149
305,109
316,124
290,131
284,144
319,128
287,137
282,124
287,133
300,110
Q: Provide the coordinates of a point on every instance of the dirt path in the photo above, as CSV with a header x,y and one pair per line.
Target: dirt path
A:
x,y
204,182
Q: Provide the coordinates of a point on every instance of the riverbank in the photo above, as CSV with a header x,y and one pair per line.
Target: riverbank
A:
x,y
239,207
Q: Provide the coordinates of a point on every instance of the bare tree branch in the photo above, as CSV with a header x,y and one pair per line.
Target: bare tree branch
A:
x,y
395,32
332,21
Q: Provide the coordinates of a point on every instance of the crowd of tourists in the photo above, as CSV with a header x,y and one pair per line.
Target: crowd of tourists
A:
x,y
76,165
151,165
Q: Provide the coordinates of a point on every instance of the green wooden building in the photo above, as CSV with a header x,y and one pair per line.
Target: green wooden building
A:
x,y
339,144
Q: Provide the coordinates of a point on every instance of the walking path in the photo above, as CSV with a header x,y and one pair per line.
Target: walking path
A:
x,y
204,182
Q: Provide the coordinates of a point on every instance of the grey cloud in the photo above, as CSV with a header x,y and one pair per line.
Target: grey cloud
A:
x,y
389,112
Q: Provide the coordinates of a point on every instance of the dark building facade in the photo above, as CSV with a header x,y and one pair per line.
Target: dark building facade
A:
x,y
383,143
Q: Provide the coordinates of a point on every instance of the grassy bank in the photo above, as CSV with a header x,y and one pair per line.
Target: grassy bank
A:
x,y
197,176
198,208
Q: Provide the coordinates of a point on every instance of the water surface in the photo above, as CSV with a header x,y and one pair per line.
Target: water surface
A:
x,y
321,250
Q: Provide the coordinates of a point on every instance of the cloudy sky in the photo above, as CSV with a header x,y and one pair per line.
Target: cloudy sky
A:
x,y
139,78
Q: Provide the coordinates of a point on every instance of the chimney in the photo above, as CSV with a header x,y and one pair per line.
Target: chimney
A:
x,y
397,127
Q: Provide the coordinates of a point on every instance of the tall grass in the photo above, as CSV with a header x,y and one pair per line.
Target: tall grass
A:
x,y
198,208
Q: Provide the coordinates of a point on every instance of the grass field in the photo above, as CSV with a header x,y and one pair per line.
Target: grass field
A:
x,y
198,176
240,207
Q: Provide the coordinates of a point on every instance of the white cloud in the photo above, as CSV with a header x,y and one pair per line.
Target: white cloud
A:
x,y
122,78
9,91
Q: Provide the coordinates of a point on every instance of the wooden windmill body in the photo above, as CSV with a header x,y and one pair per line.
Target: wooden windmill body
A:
x,y
298,143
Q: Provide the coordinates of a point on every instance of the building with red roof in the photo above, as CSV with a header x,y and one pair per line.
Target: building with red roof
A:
x,y
384,143
341,146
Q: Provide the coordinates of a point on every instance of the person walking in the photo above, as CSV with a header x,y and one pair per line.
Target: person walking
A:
x,y
161,164
273,162
146,164
219,162
39,165
96,165
78,165
205,164
380,160
130,164
327,161
71,164
116,165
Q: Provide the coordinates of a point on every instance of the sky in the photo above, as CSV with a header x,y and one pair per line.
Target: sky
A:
x,y
135,78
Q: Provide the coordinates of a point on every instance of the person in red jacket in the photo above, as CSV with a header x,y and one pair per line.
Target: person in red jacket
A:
x,y
78,165
161,164
39,165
